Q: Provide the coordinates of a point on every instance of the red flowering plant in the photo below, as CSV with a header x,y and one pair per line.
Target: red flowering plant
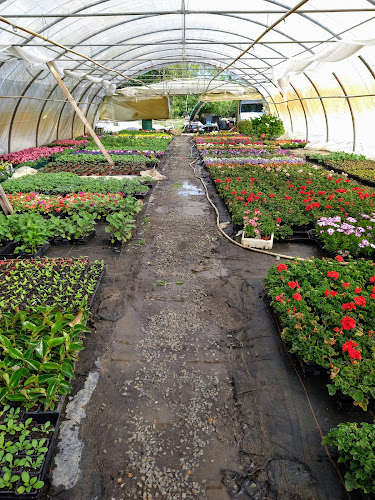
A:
x,y
327,311
293,195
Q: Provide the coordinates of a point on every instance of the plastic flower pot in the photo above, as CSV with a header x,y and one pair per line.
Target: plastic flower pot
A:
x,y
257,242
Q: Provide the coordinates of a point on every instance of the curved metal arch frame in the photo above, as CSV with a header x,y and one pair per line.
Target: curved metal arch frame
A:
x,y
62,109
303,109
203,58
170,48
40,117
325,28
347,99
15,112
86,104
322,103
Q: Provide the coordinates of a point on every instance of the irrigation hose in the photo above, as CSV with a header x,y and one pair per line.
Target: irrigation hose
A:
x,y
273,254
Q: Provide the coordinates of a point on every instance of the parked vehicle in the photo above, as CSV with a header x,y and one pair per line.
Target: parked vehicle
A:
x,y
250,109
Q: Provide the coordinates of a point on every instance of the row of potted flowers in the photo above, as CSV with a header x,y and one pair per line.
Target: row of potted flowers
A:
x,y
272,195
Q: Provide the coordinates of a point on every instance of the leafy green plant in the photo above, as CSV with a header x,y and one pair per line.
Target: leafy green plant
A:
x,y
31,230
45,428
120,226
38,349
7,481
269,125
30,483
60,282
84,223
67,182
356,446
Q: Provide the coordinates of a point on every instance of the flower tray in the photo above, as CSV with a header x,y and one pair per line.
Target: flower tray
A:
x,y
84,241
257,243
99,282
39,418
140,196
298,236
42,250
8,249
61,242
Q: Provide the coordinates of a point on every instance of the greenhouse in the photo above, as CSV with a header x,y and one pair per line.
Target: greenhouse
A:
x,y
187,250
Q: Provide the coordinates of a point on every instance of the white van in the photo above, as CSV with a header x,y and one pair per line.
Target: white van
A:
x,y
251,109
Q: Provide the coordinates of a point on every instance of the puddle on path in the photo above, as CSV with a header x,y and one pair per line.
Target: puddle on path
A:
x,y
189,189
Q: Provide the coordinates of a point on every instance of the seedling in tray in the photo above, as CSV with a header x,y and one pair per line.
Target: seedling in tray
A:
x,y
29,483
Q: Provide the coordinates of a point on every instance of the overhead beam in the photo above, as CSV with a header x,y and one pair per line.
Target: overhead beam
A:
x,y
169,12
187,42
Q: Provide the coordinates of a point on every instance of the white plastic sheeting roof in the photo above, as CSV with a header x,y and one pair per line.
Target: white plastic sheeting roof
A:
x,y
326,105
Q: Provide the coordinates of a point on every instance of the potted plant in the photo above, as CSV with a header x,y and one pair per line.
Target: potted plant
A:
x,y
120,226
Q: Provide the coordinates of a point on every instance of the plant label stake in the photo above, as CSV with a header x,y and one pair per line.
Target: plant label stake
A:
x,y
79,112
5,203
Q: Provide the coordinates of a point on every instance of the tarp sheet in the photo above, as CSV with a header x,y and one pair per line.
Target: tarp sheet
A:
x,y
121,108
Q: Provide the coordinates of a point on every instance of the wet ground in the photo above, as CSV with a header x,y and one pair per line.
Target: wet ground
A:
x,y
185,390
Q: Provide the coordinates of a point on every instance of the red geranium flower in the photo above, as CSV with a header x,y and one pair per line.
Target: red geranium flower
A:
x,y
333,274
281,267
330,292
348,345
279,298
292,284
345,285
372,279
354,354
297,296
347,323
339,258
360,301
349,306
359,290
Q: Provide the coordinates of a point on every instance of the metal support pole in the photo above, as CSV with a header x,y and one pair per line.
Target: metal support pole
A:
x,y
79,113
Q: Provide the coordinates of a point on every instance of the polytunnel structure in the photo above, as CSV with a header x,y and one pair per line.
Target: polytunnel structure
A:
x,y
311,67
187,250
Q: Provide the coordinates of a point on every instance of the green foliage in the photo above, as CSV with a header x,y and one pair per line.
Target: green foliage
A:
x,y
336,156
29,483
88,159
66,182
38,348
356,446
269,125
153,142
59,282
31,232
182,105
120,226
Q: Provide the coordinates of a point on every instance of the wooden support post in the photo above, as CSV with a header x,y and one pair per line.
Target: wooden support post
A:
x,y
5,203
79,112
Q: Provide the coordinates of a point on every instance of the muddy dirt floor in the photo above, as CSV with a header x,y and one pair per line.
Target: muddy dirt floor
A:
x,y
185,390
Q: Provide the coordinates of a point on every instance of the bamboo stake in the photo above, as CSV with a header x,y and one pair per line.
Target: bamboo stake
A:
x,y
5,203
79,112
